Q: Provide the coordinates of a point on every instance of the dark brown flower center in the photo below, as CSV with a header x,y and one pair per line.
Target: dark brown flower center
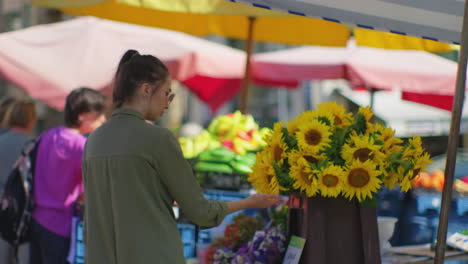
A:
x,y
363,154
415,173
277,152
305,177
338,120
269,176
311,159
330,180
313,137
358,178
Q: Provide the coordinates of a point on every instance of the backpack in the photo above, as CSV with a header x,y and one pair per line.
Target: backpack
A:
x,y
16,203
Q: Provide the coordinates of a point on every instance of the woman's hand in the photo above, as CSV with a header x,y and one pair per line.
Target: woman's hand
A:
x,y
262,200
255,201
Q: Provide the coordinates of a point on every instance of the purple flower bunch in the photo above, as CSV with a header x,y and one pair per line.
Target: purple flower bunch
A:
x,y
267,246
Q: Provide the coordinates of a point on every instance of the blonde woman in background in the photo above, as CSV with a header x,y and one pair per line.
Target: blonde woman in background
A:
x,y
17,121
5,102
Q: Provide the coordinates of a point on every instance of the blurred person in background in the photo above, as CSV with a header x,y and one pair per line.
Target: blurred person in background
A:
x,y
58,181
4,103
17,119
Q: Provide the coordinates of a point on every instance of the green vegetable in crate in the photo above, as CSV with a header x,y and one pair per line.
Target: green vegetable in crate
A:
x,y
247,159
241,168
464,232
217,155
186,144
213,167
192,146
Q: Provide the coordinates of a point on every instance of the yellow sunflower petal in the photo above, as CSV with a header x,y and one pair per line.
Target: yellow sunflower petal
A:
x,y
276,145
263,174
390,180
366,112
405,184
414,148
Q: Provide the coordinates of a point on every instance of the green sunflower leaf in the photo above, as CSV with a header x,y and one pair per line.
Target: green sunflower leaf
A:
x,y
370,202
289,139
282,174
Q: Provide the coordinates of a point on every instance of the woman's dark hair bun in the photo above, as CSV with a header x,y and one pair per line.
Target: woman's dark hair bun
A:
x,y
133,70
127,56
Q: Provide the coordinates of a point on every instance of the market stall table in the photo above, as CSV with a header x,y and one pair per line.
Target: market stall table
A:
x,y
420,254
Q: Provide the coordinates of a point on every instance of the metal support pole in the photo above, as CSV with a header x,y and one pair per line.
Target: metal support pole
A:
x,y
243,102
372,98
2,17
453,144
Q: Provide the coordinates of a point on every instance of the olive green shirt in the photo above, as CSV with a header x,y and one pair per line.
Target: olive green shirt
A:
x,y
133,171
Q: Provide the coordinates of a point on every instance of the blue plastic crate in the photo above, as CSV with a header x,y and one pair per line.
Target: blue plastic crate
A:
x,y
418,221
187,232
390,202
458,217
462,205
188,235
189,250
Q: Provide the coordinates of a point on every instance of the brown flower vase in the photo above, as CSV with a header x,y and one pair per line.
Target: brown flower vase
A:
x,y
336,230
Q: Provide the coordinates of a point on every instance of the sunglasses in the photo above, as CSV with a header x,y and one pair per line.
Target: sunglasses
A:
x,y
170,97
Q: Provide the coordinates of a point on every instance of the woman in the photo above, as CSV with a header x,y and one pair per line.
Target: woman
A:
x,y
5,102
57,179
17,121
133,172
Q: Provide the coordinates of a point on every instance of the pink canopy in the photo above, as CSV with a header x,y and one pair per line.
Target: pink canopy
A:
x,y
422,77
48,61
290,67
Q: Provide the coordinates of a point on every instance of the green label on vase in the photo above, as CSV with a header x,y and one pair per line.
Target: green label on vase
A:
x,y
294,251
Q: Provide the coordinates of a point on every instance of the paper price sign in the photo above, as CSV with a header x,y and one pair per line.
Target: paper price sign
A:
x,y
294,251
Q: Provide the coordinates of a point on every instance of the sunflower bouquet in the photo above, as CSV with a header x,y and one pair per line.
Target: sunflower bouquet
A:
x,y
328,152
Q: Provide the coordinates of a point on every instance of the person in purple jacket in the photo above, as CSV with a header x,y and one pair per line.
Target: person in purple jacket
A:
x,y
58,181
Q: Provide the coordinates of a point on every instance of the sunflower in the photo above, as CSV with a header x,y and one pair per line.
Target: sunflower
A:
x,y
376,128
313,136
366,112
363,149
258,177
414,148
263,177
304,177
331,181
323,116
276,145
420,165
294,156
392,145
404,179
293,126
361,180
340,117
305,117
390,179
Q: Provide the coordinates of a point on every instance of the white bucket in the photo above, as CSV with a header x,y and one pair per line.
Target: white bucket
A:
x,y
386,227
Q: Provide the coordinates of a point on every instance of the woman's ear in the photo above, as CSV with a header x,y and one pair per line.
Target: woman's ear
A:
x,y
146,89
81,118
